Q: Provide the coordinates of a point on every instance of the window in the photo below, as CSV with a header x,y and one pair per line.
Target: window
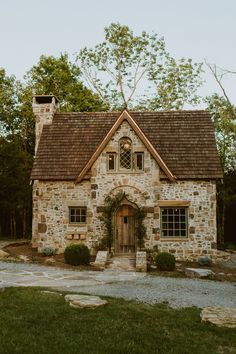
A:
x,y
77,215
138,161
126,159
174,222
111,161
125,154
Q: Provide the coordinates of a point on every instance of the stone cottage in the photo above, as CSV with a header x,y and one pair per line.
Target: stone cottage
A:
x,y
163,162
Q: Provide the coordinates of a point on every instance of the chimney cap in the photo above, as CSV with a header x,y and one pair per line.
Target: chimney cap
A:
x,y
45,99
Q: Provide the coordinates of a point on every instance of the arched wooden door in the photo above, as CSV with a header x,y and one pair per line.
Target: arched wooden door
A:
x,y
125,229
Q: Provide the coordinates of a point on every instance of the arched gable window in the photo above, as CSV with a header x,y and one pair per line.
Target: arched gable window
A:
x,y
125,149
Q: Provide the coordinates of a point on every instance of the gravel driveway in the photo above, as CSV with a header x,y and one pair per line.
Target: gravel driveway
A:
x,y
177,292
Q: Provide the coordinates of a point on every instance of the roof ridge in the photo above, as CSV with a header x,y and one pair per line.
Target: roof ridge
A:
x,y
136,112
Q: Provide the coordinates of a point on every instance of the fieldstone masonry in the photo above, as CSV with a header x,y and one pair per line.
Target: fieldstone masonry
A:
x,y
141,261
147,189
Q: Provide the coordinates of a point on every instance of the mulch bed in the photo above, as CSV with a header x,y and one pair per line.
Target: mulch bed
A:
x,y
24,248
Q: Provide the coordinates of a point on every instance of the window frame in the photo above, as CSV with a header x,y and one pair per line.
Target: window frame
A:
x,y
82,217
173,222
115,161
136,153
123,139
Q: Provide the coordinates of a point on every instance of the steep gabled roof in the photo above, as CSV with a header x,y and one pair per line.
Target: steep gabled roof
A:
x,y
126,116
183,141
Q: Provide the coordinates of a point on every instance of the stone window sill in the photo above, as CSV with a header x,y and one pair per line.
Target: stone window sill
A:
x,y
174,239
82,224
126,172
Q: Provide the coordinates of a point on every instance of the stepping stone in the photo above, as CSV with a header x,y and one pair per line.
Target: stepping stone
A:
x,y
220,316
24,258
88,301
50,261
198,272
4,254
50,292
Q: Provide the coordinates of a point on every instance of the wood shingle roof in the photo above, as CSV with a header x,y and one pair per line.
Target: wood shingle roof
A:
x,y
184,139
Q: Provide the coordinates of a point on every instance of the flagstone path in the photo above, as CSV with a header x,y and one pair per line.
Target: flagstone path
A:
x,y
177,292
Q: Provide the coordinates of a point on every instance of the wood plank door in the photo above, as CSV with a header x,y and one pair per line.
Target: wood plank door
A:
x,y
125,230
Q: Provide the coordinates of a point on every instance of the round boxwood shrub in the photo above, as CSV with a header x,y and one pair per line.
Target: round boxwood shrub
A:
x,y
77,254
48,251
165,261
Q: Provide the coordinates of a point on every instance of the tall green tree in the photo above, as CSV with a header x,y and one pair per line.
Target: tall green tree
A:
x,y
51,75
15,191
8,102
60,77
224,119
125,66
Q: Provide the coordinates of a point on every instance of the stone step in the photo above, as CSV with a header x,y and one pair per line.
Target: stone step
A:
x,y
124,255
122,263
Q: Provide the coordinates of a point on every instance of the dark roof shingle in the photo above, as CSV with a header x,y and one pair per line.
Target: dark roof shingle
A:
x,y
184,139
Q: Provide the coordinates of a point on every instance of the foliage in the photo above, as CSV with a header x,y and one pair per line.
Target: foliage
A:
x,y
140,227
121,67
224,119
205,261
66,330
51,75
176,84
107,218
77,254
8,102
60,77
165,261
15,191
48,251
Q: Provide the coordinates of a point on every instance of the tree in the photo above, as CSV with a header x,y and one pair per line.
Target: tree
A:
x,y
15,192
124,65
225,130
8,102
60,77
224,119
51,75
176,84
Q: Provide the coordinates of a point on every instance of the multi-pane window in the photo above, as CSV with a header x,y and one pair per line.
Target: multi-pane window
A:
x,y
174,222
125,154
77,215
111,161
138,161
126,159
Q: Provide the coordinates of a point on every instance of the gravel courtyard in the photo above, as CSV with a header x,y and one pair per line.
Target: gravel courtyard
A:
x,y
177,292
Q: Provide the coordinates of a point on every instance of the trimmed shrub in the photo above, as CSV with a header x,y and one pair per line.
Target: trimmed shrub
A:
x,y
165,261
77,254
47,251
205,261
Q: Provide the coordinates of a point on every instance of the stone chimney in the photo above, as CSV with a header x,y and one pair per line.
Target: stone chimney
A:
x,y
44,108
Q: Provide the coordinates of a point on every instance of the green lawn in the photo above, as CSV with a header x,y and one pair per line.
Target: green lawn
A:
x,y
33,322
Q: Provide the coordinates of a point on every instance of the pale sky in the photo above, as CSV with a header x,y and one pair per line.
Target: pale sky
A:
x,y
200,29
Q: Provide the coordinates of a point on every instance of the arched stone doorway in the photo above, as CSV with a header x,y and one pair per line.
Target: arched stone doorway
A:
x,y
125,241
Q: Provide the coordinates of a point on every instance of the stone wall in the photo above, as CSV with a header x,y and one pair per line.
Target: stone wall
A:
x,y
51,201
201,218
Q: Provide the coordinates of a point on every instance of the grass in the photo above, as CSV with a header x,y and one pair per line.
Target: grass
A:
x,y
36,322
